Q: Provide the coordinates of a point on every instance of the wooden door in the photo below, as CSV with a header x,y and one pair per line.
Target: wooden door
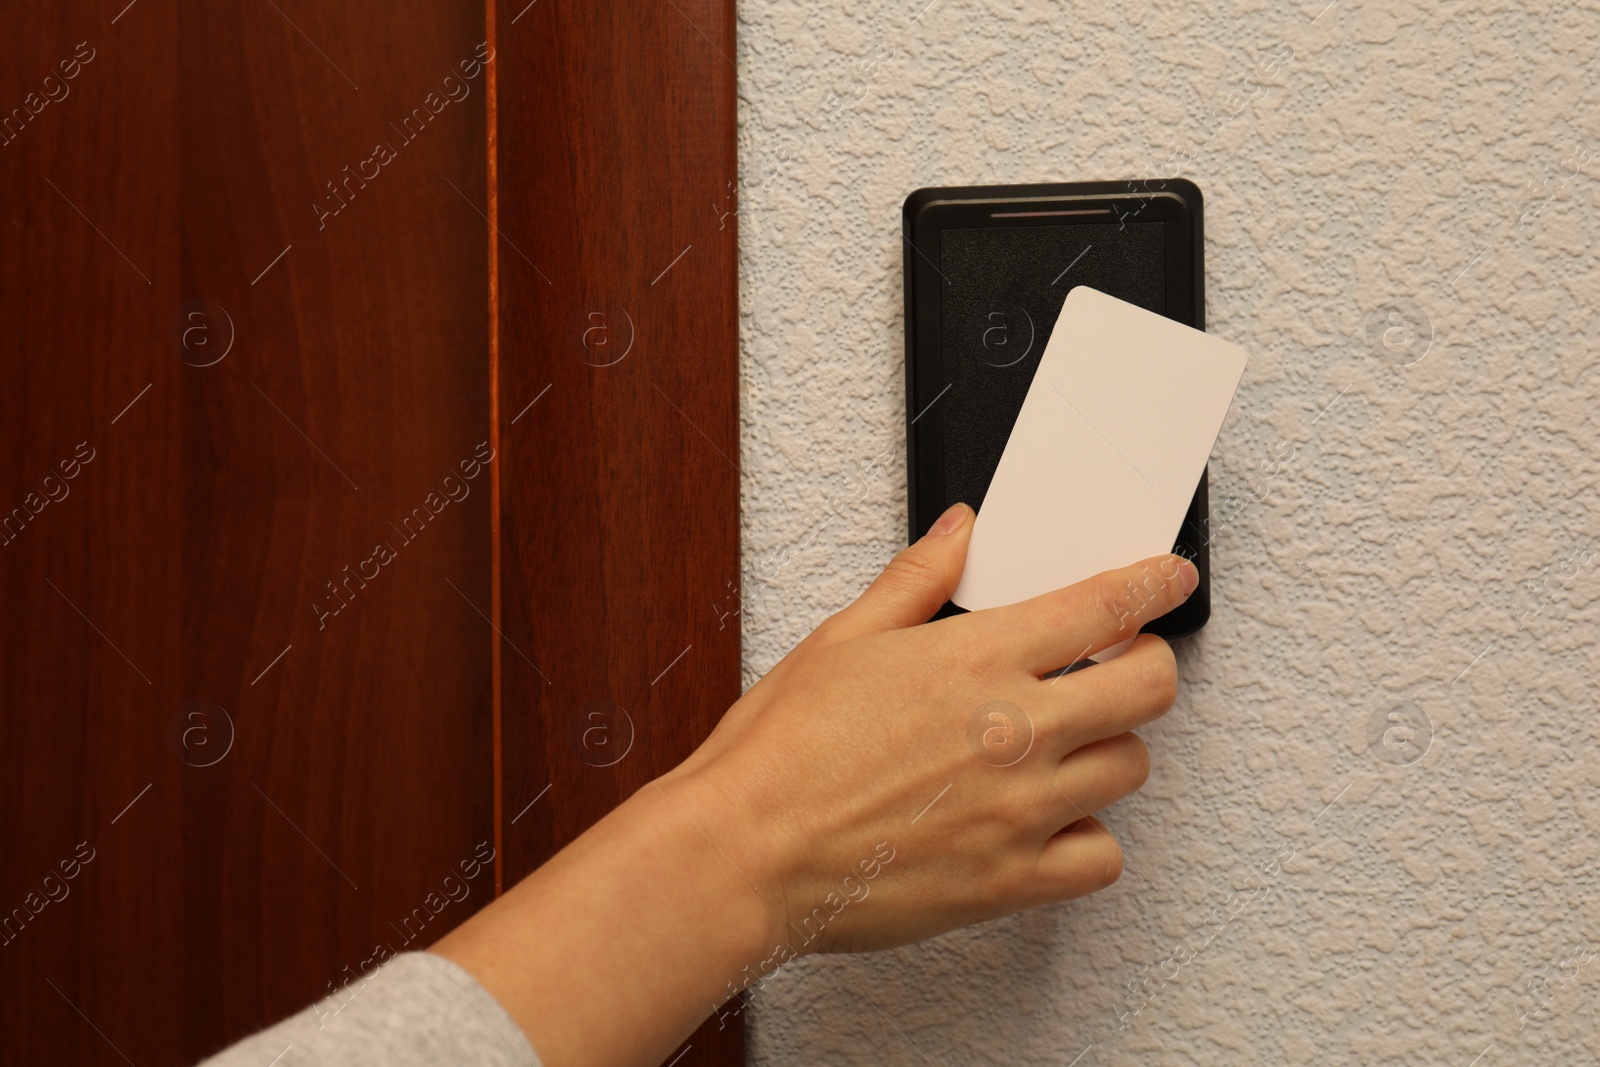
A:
x,y
280,545
617,377
256,776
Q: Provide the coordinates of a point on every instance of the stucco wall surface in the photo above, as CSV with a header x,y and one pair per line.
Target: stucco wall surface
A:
x,y
1401,230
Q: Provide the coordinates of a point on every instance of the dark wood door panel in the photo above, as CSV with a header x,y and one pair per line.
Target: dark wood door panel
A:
x,y
255,707
173,210
617,313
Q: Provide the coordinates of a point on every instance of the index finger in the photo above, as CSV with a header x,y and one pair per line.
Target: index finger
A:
x,y
1061,627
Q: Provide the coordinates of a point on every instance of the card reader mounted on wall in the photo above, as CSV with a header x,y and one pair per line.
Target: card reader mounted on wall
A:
x,y
987,271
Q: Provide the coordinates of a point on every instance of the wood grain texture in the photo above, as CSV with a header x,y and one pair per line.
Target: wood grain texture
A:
x,y
618,322
190,552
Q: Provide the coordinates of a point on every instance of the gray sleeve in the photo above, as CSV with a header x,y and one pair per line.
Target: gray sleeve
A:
x,y
417,1009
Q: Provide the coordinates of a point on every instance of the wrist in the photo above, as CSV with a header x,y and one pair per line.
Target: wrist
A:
x,y
658,914
733,863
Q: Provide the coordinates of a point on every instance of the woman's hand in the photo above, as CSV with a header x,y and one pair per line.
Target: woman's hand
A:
x,y
893,778
889,780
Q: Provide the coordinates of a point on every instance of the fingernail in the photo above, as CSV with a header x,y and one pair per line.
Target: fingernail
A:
x,y
950,521
1190,576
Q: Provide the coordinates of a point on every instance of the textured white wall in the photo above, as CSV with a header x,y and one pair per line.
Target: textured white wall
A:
x,y
1432,545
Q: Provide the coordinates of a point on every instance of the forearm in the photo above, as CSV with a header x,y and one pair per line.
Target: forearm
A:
x,y
770,839
620,945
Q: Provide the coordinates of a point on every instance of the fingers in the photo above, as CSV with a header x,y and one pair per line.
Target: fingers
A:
x,y
1062,627
1078,861
914,585
1099,774
1109,698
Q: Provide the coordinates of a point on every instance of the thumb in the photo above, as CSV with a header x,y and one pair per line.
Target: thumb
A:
x,y
914,585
